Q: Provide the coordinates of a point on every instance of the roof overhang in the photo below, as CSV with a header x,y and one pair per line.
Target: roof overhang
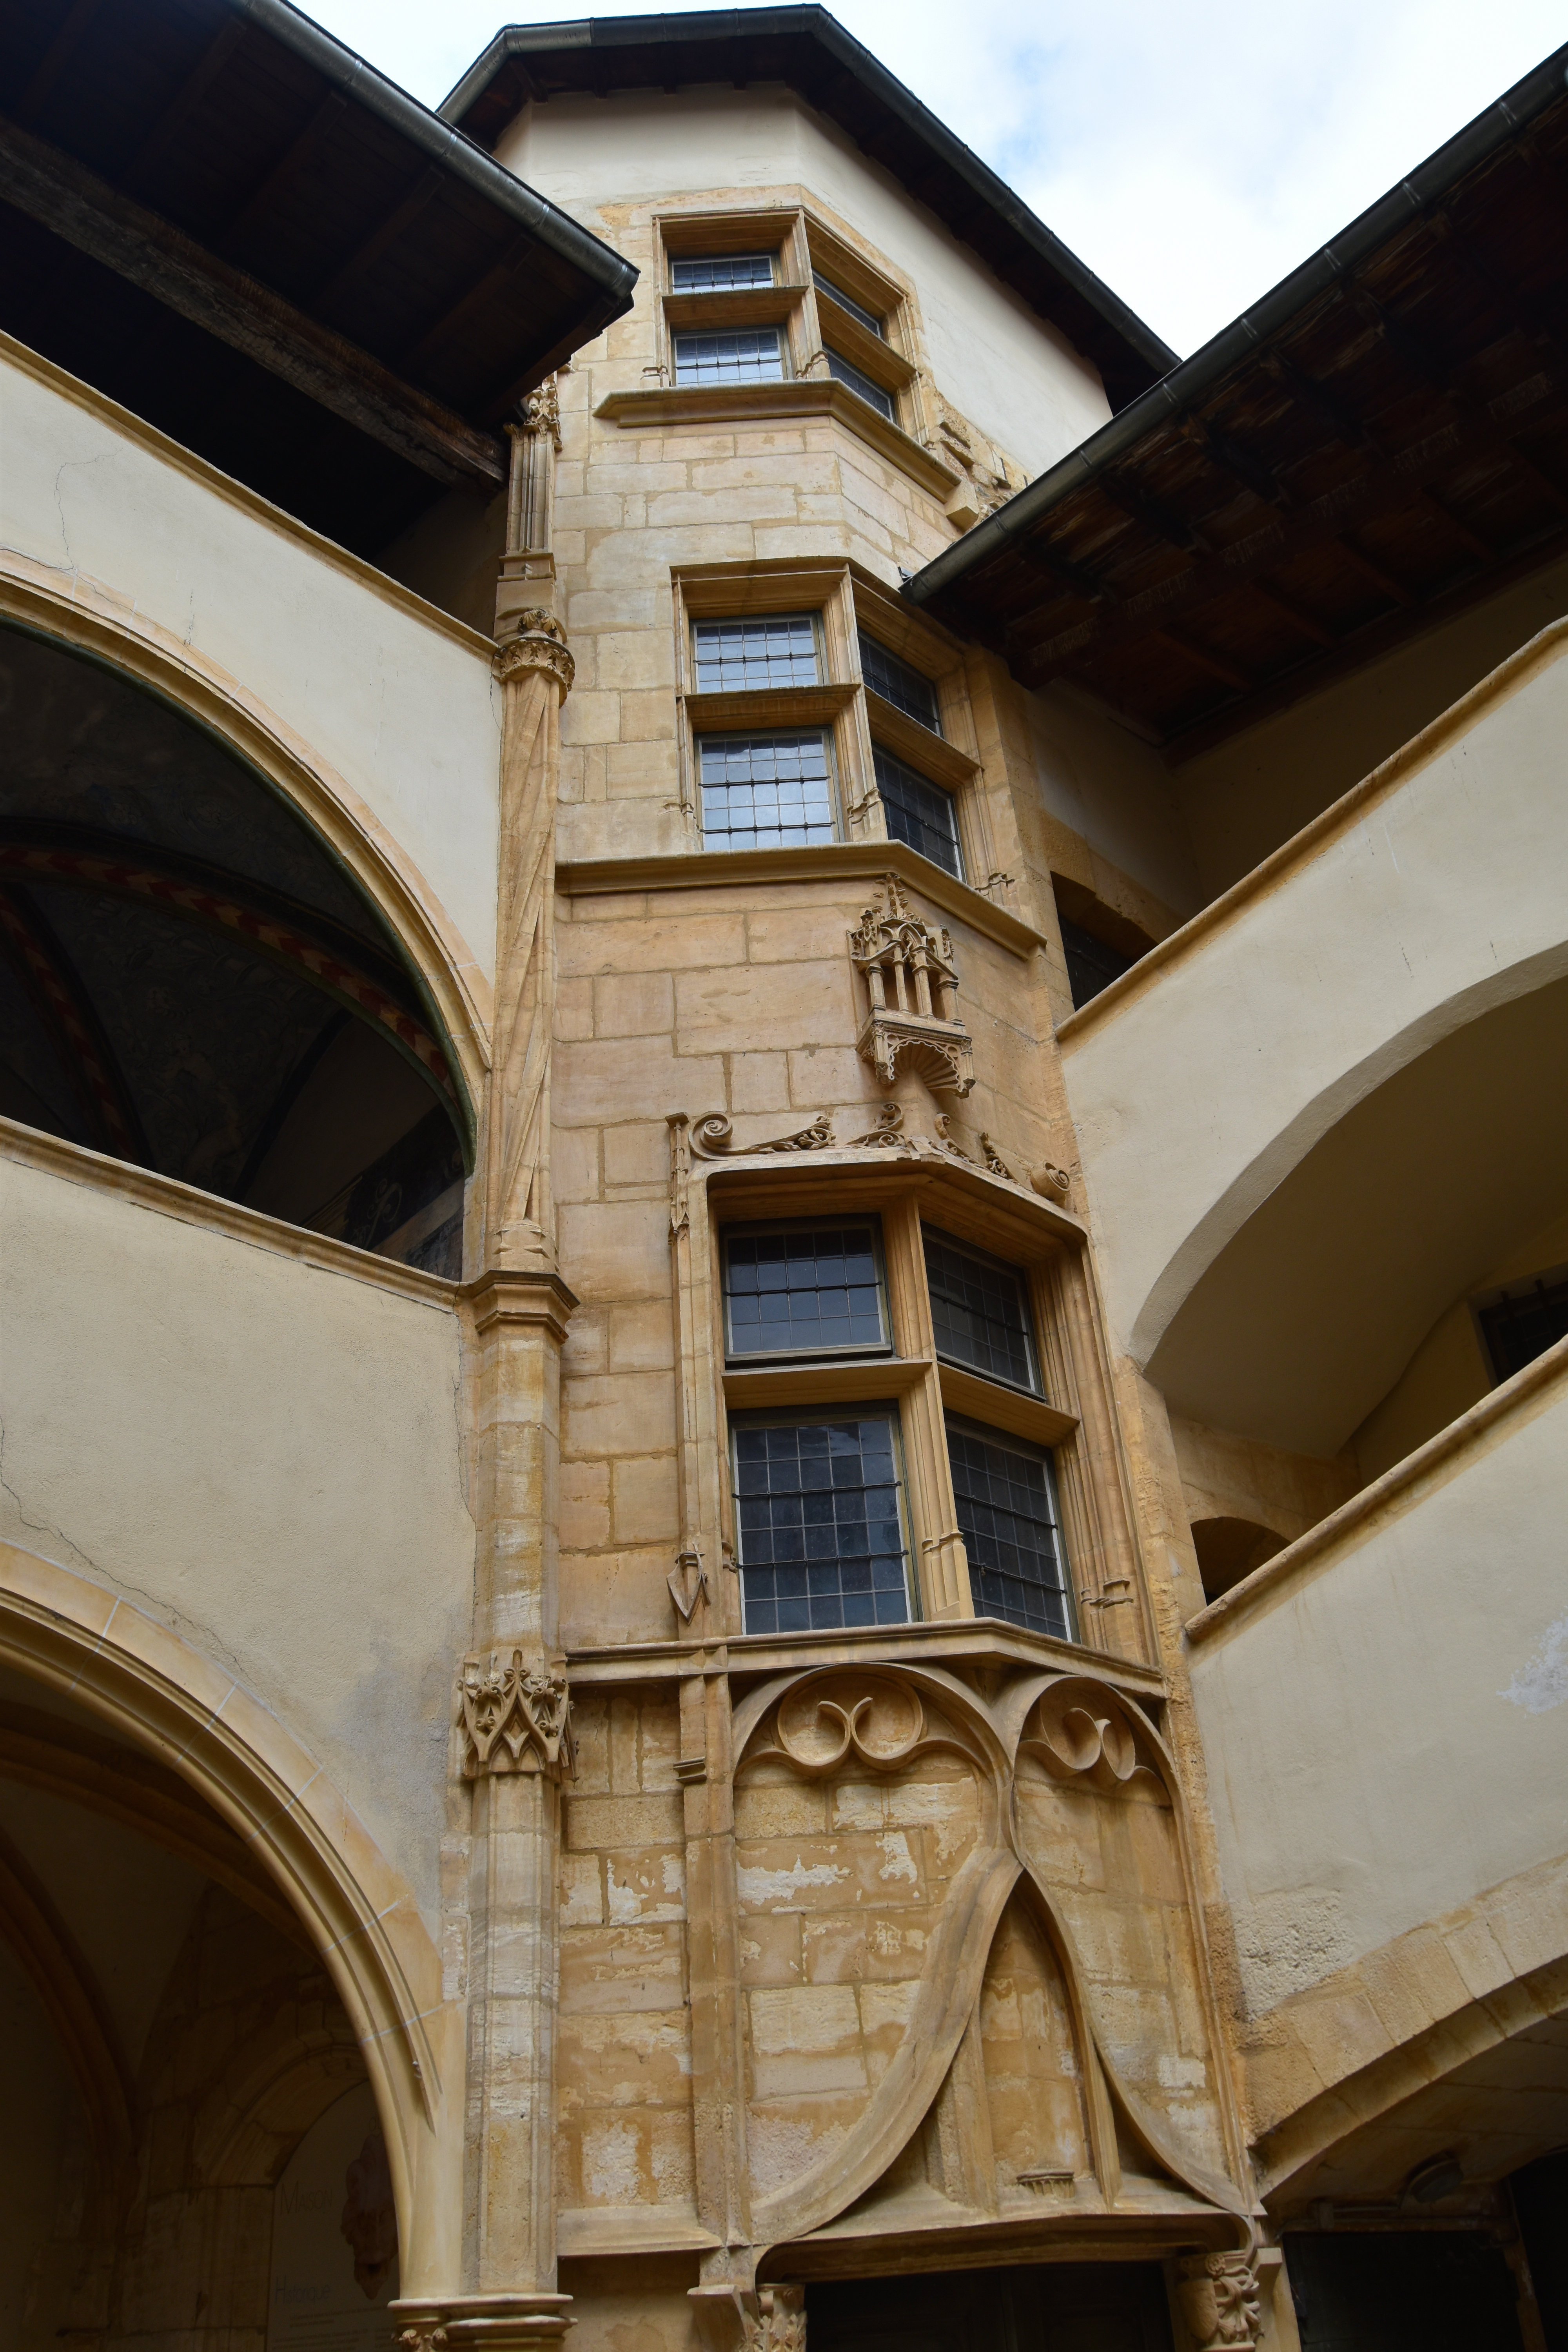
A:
x,y
1379,442
807,50
216,213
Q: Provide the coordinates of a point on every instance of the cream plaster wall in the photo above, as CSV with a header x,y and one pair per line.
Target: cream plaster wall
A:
x,y
397,705
261,1453
1387,1735
1243,799
1015,377
1117,796
1207,1079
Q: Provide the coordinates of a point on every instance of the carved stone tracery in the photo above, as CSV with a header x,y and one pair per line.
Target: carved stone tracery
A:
x,y
911,987
513,1717
1079,1732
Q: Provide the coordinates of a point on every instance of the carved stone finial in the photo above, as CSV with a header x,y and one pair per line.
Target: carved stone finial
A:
x,y
540,644
513,1717
1219,2299
911,989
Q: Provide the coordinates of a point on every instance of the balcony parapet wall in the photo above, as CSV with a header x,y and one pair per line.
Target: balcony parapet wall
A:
x,y
1423,898
1390,1698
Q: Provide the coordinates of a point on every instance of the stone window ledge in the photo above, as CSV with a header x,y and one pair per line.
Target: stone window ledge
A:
x,y
731,403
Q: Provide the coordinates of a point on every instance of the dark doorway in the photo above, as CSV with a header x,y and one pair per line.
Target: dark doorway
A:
x,y
1043,2307
1402,2291
1540,2201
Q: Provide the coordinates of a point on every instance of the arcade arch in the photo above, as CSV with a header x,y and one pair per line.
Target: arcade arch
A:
x,y
193,979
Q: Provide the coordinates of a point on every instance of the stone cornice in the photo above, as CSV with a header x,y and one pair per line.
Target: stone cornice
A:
x,y
743,403
718,869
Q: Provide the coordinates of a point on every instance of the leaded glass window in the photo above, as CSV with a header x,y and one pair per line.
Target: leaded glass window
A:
x,y
898,682
857,311
742,656
820,1522
722,273
729,356
765,791
980,1311
804,1290
1007,1518
846,373
918,812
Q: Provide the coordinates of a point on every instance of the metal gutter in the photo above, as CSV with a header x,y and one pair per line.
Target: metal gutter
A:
x,y
448,147
814,23
1187,382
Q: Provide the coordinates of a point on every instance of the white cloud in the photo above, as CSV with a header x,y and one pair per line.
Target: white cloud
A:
x,y
1191,155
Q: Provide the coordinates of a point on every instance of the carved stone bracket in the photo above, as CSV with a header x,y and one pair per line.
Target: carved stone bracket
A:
x,y
713,1138
911,989
1220,2303
540,644
762,2319
513,1717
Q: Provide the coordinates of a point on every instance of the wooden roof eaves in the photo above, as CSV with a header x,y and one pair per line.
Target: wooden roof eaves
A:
x,y
1201,376
448,147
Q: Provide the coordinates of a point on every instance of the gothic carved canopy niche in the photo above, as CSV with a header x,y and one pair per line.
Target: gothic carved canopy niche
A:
x,y
912,989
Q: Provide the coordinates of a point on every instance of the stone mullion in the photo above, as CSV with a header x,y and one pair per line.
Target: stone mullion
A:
x,y
941,1563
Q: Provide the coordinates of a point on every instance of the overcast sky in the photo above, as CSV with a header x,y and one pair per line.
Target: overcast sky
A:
x,y
1192,152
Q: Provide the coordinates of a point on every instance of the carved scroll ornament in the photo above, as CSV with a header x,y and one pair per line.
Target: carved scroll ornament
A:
x,y
876,1721
1078,1731
1219,2299
713,1138
911,987
513,1717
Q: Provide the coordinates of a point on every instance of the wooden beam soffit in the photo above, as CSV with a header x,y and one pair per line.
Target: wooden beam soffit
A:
x,y
149,252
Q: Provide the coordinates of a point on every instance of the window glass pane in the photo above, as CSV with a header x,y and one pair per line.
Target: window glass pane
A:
x,y
918,812
821,1533
721,274
735,355
765,791
978,1308
896,683
850,374
738,656
1091,965
1006,1515
868,318
818,1286
1524,1322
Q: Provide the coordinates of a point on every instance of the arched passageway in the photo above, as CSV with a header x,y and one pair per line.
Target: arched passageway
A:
x,y
191,2142
190,982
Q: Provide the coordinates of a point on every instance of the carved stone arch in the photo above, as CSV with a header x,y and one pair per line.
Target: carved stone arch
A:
x,y
87,622
903,1730
163,1696
1082,1747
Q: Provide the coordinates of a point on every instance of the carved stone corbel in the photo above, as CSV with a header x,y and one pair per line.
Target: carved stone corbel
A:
x,y
513,1717
911,988
762,2319
1220,2302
